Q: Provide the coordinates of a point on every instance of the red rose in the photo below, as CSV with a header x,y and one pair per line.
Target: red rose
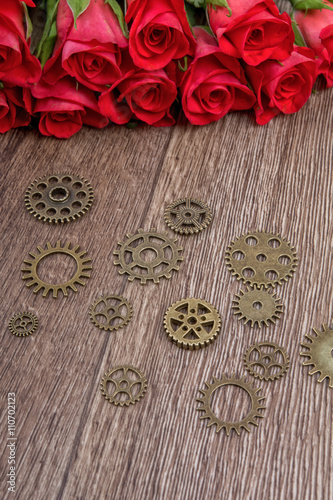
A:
x,y
15,107
214,84
317,28
283,88
255,31
146,95
91,51
65,107
159,33
17,65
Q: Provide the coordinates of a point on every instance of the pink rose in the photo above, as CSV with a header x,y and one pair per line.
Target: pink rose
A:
x,y
15,107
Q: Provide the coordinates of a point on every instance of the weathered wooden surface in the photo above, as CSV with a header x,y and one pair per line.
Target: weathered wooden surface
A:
x,y
71,443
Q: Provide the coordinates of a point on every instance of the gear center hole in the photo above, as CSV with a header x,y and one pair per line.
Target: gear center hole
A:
x,y
192,320
257,305
231,403
188,214
148,255
56,269
59,194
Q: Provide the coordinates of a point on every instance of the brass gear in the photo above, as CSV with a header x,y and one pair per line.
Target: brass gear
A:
x,y
266,360
188,215
82,271
131,262
319,350
245,306
123,385
249,419
59,197
111,312
267,264
192,323
23,324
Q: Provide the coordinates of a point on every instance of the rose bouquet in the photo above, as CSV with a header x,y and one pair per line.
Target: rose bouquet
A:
x,y
106,61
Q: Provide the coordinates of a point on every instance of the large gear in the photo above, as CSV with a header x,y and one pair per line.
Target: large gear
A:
x,y
106,312
266,356
123,384
82,271
257,305
188,215
261,259
319,350
132,263
23,324
192,323
59,197
205,400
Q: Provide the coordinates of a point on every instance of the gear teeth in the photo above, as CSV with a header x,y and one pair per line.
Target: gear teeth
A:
x,y
18,326
261,361
319,353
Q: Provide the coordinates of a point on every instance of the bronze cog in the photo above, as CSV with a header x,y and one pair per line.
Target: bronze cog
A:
x,y
188,215
319,350
23,324
83,267
205,400
257,305
111,312
266,360
132,263
59,197
192,323
261,259
123,383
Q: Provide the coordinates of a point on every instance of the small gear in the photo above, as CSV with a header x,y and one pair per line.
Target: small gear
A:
x,y
267,356
59,197
188,215
319,350
192,323
262,259
256,305
130,256
23,324
111,312
124,382
249,419
83,267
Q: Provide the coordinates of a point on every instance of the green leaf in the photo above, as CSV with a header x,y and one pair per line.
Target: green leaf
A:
x,y
28,22
47,42
299,40
190,13
197,3
309,4
77,7
220,3
120,15
185,67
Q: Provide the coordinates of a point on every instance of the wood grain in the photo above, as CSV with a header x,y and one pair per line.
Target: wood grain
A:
x,y
71,443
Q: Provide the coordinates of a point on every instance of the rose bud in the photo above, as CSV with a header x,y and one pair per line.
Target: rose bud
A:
x,y
17,65
159,32
146,95
214,83
316,27
65,107
255,30
15,106
282,88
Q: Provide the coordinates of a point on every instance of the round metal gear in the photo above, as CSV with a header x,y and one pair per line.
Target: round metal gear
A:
x,y
205,400
266,356
192,323
111,312
59,197
23,324
83,267
130,256
319,350
188,215
123,383
256,305
262,259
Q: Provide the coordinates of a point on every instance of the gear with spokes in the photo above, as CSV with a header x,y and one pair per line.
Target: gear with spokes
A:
x,y
256,305
59,197
164,256
123,380
261,259
254,413
31,271
192,323
266,356
23,324
110,312
188,215
320,350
